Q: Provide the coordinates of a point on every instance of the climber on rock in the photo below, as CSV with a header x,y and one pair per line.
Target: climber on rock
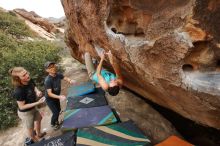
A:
x,y
108,81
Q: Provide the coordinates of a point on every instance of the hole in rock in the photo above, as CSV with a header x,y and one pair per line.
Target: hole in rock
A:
x,y
218,63
114,30
187,67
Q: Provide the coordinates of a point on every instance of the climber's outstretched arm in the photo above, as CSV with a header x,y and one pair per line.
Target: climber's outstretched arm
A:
x,y
101,80
116,67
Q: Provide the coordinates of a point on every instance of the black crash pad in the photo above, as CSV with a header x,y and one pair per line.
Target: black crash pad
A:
x,y
67,139
94,99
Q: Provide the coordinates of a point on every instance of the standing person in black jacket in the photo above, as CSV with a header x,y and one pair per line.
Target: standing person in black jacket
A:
x,y
52,91
26,94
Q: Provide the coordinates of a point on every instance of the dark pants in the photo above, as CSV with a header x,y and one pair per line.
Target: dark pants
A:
x,y
54,106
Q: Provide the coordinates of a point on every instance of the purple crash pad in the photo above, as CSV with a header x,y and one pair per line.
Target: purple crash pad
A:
x,y
87,117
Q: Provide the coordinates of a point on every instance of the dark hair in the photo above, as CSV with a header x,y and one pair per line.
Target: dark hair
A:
x,y
113,91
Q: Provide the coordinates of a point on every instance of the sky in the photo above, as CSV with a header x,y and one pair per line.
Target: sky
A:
x,y
44,8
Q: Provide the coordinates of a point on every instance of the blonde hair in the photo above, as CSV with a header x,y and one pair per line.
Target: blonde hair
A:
x,y
16,81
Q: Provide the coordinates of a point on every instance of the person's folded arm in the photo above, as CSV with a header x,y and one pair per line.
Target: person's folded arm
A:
x,y
23,106
38,92
50,94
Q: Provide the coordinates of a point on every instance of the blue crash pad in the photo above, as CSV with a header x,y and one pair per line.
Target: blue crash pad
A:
x,y
82,89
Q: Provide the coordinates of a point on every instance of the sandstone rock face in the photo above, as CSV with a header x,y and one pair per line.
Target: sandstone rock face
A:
x,y
168,50
36,19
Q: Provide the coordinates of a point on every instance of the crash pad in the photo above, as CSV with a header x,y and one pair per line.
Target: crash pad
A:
x,y
81,89
94,99
120,134
86,117
174,141
67,139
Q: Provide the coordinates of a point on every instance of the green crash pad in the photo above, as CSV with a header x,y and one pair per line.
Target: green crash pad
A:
x,y
120,134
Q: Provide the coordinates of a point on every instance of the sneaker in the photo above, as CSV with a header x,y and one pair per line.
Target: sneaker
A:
x,y
95,62
55,127
39,136
42,135
61,112
28,141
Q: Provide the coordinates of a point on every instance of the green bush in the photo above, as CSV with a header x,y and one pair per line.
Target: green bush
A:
x,y
13,52
6,42
30,55
10,24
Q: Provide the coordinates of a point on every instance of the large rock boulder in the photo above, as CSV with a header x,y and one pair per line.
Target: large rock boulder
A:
x,y
36,19
168,50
